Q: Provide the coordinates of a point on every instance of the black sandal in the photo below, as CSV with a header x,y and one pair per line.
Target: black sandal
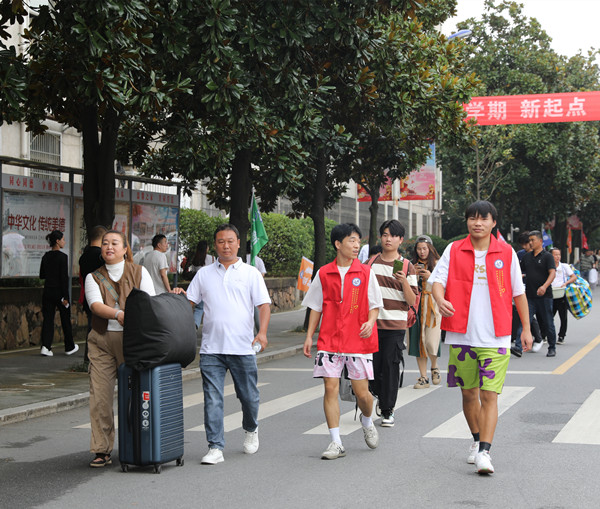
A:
x,y
100,460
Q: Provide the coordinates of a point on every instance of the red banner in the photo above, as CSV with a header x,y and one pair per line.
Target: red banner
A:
x,y
385,191
534,108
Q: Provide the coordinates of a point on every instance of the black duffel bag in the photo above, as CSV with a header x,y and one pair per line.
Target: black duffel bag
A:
x,y
158,330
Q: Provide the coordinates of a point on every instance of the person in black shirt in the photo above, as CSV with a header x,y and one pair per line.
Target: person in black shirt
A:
x,y
55,272
89,261
539,268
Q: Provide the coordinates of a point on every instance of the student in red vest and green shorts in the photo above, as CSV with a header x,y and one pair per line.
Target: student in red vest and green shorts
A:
x,y
474,285
346,295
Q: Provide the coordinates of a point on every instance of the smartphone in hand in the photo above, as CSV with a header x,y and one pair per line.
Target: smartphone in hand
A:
x,y
398,265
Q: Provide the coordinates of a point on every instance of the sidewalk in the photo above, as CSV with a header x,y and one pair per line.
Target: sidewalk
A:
x,y
32,385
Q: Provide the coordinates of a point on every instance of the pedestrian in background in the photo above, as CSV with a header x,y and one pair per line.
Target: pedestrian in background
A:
x,y
157,265
200,259
106,290
399,291
425,334
564,276
54,270
89,261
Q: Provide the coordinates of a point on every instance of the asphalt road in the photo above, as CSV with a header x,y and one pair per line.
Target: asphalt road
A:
x,y
545,450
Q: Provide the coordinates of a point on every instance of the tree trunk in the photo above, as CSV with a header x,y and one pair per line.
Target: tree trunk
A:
x,y
317,214
373,209
98,167
240,192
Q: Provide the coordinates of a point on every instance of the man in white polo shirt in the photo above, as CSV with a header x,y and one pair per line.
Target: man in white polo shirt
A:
x,y
230,289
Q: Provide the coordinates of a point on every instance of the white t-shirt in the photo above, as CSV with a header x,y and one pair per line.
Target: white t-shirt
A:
x,y
480,326
154,262
207,261
563,273
115,271
258,263
229,297
363,254
314,298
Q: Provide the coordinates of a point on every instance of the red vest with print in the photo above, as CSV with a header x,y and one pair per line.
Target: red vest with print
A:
x,y
341,320
460,285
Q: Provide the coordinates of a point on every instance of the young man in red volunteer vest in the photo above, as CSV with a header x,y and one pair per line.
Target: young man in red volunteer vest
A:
x,y
345,297
474,284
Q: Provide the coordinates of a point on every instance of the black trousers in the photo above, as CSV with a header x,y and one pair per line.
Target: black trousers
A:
x,y
386,368
50,302
561,305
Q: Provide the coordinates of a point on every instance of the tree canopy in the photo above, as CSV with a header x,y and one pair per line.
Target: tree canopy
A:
x,y
536,172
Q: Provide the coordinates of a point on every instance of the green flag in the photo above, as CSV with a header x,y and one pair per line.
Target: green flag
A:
x,y
259,235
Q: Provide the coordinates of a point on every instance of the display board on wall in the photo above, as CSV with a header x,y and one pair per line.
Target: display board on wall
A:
x,y
31,209
420,184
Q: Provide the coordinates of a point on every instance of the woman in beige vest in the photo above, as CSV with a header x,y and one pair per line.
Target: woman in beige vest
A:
x,y
425,335
106,290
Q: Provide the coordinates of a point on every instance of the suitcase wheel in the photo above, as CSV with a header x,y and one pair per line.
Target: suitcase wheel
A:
x,y
157,469
179,462
124,467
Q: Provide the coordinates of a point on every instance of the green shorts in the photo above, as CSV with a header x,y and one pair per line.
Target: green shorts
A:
x,y
470,367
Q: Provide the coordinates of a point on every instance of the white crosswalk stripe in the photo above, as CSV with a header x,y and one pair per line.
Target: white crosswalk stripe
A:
x,y
583,427
188,401
456,427
271,408
348,425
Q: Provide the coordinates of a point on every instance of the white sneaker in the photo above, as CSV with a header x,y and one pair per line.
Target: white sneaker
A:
x,y
483,463
371,436
46,352
213,457
251,442
333,451
536,347
473,450
75,350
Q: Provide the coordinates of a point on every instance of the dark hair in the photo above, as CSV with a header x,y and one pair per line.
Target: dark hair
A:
x,y
536,233
128,253
53,237
341,231
376,249
201,251
394,226
157,239
481,208
97,232
227,226
556,249
432,257
524,238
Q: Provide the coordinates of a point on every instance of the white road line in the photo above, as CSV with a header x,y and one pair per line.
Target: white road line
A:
x,y
583,427
188,401
348,425
456,427
273,407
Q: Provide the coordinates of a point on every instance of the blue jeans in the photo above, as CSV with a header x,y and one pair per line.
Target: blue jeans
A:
x,y
198,312
542,309
244,372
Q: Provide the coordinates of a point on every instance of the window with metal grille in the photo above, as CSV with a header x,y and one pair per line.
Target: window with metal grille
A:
x,y
45,148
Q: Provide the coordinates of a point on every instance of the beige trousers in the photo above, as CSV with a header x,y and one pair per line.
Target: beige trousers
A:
x,y
105,352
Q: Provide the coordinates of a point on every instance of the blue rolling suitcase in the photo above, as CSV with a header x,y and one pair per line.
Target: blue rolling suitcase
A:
x,y
150,416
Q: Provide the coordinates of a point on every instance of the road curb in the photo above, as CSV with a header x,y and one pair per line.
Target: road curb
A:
x,y
53,406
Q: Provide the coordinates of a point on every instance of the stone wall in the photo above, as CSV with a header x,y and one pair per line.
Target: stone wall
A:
x,y
21,313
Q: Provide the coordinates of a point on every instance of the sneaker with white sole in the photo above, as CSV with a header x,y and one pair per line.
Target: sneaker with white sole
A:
x,y
387,420
333,451
75,350
536,347
213,457
46,352
251,442
483,463
371,436
473,450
